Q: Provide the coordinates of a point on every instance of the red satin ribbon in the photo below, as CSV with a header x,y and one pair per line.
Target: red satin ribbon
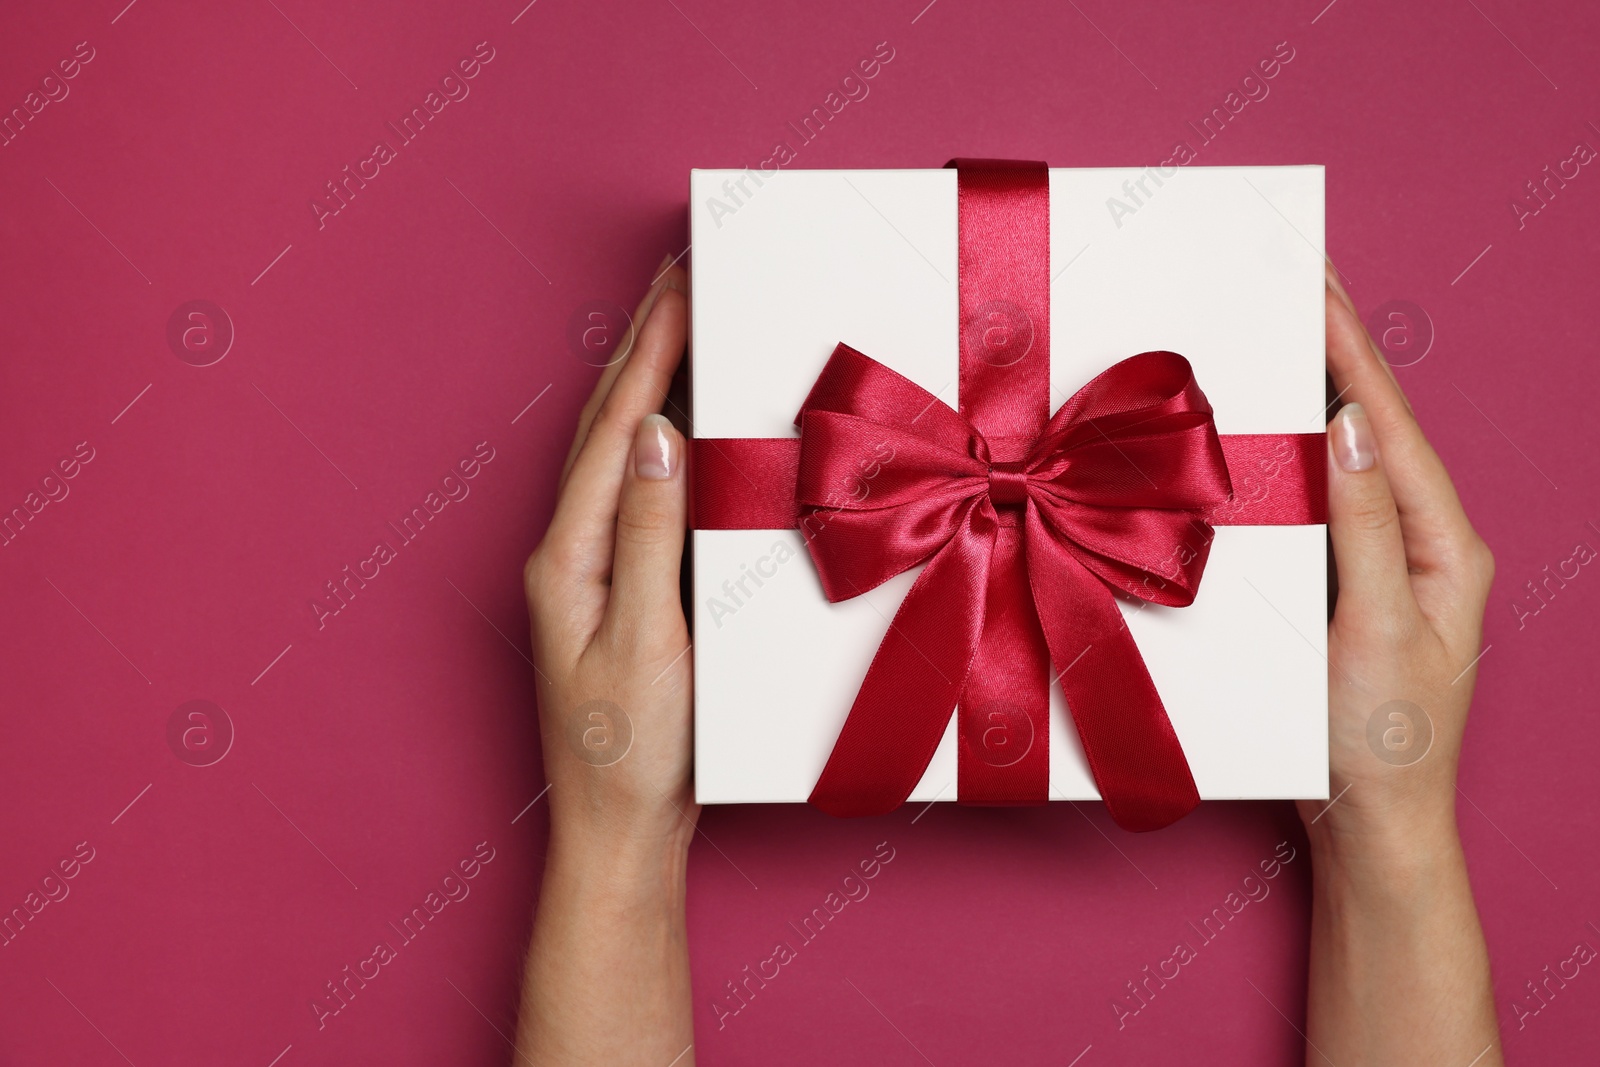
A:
x,y
748,483
1026,523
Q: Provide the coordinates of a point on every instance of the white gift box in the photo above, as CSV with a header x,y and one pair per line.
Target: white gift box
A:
x,y
1223,265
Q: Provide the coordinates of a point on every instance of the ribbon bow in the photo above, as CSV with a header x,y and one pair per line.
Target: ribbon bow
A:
x,y
1022,558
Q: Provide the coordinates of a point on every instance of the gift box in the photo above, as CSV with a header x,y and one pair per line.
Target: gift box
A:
x,y
991,289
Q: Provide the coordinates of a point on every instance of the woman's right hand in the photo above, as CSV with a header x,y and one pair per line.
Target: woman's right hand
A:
x,y
1413,578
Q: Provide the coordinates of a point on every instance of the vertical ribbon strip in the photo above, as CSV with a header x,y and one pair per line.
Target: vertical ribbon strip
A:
x,y
1003,230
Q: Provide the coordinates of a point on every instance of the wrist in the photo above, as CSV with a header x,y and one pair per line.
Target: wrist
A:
x,y
1393,856
1385,815
620,856
596,808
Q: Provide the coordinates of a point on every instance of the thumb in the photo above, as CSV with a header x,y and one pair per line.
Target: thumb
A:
x,y
1362,519
651,516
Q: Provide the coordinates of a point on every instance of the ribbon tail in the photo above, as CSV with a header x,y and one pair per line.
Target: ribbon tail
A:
x,y
916,678
1132,749
1004,754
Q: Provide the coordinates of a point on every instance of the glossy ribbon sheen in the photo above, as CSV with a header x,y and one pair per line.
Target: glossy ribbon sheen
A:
x,y
1025,523
748,483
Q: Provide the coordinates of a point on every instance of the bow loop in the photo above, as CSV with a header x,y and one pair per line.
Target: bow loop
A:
x,y
886,474
1123,473
1137,388
859,385
857,464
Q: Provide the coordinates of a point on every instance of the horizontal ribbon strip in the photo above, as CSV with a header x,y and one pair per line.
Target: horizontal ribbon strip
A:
x,y
748,483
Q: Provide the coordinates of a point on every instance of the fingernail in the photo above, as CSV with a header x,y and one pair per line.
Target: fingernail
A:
x,y
1354,447
1331,273
670,280
655,449
657,285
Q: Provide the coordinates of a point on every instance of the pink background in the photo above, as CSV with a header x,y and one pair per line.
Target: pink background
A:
x,y
380,750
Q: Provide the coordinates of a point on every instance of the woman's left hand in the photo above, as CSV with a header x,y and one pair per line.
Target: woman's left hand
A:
x,y
610,641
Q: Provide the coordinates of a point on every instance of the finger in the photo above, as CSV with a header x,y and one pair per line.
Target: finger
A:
x,y
608,376
1331,274
651,517
582,528
1364,524
1434,525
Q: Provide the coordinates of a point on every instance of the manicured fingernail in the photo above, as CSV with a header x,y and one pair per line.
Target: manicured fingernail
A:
x,y
1354,446
655,450
1331,273
658,284
667,278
